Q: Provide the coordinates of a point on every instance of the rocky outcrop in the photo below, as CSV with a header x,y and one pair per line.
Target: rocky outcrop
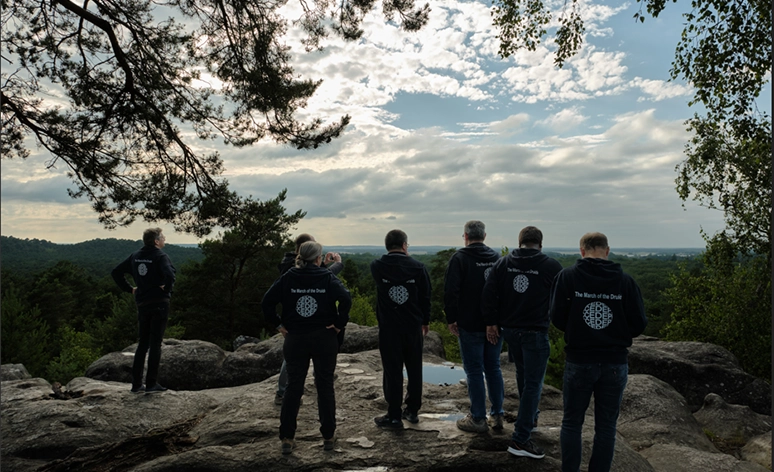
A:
x,y
696,369
97,424
200,365
14,372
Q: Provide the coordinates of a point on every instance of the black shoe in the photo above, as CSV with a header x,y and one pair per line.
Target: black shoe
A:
x,y
528,449
329,444
156,389
287,446
410,417
140,389
387,422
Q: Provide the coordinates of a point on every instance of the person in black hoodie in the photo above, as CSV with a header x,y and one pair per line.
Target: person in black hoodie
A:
x,y
154,276
310,315
464,280
515,300
333,263
600,310
403,313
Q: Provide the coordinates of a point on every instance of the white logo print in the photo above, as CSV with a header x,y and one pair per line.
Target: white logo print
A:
x,y
597,315
487,272
306,306
399,294
142,269
520,283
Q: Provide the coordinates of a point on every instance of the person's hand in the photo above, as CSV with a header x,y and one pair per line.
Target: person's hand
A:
x,y
282,331
425,330
492,334
454,329
335,328
332,257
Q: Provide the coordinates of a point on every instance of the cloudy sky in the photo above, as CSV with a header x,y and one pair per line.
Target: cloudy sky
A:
x,y
444,131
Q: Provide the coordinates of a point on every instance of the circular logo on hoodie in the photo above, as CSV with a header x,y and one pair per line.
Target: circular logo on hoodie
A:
x,y
142,269
520,283
306,306
597,315
399,294
487,272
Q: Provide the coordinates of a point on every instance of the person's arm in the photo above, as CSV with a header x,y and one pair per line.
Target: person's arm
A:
x,y
424,298
634,309
119,275
559,305
271,299
344,298
451,293
490,298
167,274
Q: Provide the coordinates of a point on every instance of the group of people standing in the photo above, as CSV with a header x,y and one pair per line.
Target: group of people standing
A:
x,y
488,299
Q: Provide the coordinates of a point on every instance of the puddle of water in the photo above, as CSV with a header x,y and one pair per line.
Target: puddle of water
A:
x,y
446,374
444,416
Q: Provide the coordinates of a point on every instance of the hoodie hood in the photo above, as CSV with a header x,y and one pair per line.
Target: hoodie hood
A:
x,y
526,258
398,266
479,252
599,270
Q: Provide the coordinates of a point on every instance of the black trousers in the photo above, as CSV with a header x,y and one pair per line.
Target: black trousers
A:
x,y
152,321
322,347
401,346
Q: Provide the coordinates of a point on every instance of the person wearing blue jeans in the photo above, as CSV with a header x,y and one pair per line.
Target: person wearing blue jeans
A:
x,y
531,350
515,306
463,282
600,310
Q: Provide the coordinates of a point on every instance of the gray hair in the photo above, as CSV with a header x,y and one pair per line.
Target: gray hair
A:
x,y
475,230
308,252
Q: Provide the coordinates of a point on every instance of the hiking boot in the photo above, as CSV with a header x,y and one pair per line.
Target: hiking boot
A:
x,y
329,444
496,422
471,425
156,389
528,449
140,389
278,399
287,446
387,422
410,417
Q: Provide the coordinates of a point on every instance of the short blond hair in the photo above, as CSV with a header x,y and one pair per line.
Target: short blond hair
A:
x,y
591,241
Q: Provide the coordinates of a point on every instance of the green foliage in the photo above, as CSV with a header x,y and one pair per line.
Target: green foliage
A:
x,y
119,329
451,343
130,76
726,302
555,367
437,270
76,354
25,335
362,312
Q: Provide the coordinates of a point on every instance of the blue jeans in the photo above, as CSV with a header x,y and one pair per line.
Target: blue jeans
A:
x,y
482,359
530,350
607,383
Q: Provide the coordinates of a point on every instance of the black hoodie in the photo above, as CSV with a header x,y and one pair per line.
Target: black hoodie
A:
x,y
308,296
464,280
600,310
517,291
402,291
150,268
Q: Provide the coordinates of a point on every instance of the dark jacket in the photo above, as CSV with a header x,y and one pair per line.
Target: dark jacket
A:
x,y
600,310
308,297
289,261
150,268
463,283
517,291
402,291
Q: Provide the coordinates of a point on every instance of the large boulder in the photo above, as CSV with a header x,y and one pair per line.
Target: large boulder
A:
x,y
696,369
652,412
735,424
676,458
758,450
14,372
